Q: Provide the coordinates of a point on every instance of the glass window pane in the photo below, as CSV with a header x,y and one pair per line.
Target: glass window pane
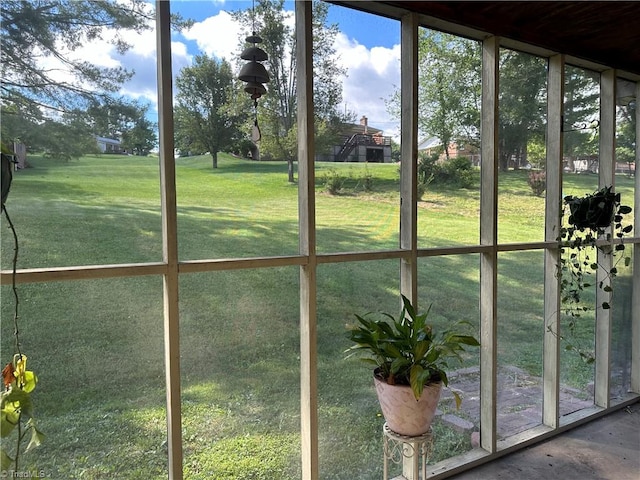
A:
x,y
350,419
622,285
449,88
85,187
236,197
581,165
357,146
96,347
520,341
621,338
522,149
451,285
240,350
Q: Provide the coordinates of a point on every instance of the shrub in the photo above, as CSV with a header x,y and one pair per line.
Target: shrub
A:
x,y
366,180
427,166
538,182
456,172
332,181
422,186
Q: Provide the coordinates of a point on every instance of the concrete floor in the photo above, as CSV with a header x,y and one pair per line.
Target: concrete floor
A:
x,y
605,449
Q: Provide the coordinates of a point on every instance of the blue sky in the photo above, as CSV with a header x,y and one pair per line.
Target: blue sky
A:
x,y
368,47
365,28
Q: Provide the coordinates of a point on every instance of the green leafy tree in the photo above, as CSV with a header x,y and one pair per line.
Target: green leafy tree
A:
x,y
277,113
626,138
20,125
35,30
140,139
207,117
449,70
522,105
127,121
448,89
67,139
581,106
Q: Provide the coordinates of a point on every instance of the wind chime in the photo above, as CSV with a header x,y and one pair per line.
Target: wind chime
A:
x,y
254,73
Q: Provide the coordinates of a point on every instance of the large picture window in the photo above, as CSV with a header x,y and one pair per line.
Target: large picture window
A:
x,y
189,320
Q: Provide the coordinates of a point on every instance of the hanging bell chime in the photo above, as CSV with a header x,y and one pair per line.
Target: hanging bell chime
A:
x,y
254,73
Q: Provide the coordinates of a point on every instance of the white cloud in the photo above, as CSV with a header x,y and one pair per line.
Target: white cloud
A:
x,y
373,73
216,36
373,76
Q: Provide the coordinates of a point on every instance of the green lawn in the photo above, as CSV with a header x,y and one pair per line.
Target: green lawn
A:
x,y
97,346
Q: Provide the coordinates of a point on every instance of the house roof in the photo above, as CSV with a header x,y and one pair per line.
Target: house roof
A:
x,y
111,141
358,128
431,142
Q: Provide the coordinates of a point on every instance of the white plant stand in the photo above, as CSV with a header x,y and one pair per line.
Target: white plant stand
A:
x,y
410,452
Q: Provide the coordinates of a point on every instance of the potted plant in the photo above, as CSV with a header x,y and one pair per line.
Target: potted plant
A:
x,y
593,211
594,221
410,362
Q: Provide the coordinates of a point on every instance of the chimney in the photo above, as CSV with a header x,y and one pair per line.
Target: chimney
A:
x,y
363,122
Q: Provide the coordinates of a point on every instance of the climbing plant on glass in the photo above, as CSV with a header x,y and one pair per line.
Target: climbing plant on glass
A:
x,y
16,407
594,221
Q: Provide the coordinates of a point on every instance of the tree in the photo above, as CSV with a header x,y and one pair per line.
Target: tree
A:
x,y
449,69
581,106
277,113
37,31
207,116
625,137
141,138
33,31
522,105
66,139
118,118
448,89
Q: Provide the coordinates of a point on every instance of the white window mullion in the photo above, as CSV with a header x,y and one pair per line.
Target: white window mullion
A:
x,y
635,309
306,209
551,356
605,259
409,155
489,237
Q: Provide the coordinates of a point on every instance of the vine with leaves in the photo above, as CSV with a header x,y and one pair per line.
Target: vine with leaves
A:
x,y
595,221
16,406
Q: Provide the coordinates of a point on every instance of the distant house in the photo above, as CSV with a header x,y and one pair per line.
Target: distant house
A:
x,y
109,145
434,145
360,143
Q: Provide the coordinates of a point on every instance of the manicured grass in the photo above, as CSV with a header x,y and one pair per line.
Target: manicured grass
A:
x,y
97,346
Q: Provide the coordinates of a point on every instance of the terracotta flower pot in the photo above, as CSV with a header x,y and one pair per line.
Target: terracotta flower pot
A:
x,y
403,413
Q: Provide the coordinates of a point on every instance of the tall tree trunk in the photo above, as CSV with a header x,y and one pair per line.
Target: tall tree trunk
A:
x,y
214,156
290,170
503,161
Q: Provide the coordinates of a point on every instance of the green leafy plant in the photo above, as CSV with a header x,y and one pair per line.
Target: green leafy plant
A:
x,y
594,221
16,407
406,351
456,172
16,411
333,181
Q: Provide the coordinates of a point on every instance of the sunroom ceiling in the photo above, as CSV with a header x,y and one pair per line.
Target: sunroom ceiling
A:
x,y
602,32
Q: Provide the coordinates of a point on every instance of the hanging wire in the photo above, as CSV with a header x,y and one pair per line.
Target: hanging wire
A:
x,y
7,176
253,17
